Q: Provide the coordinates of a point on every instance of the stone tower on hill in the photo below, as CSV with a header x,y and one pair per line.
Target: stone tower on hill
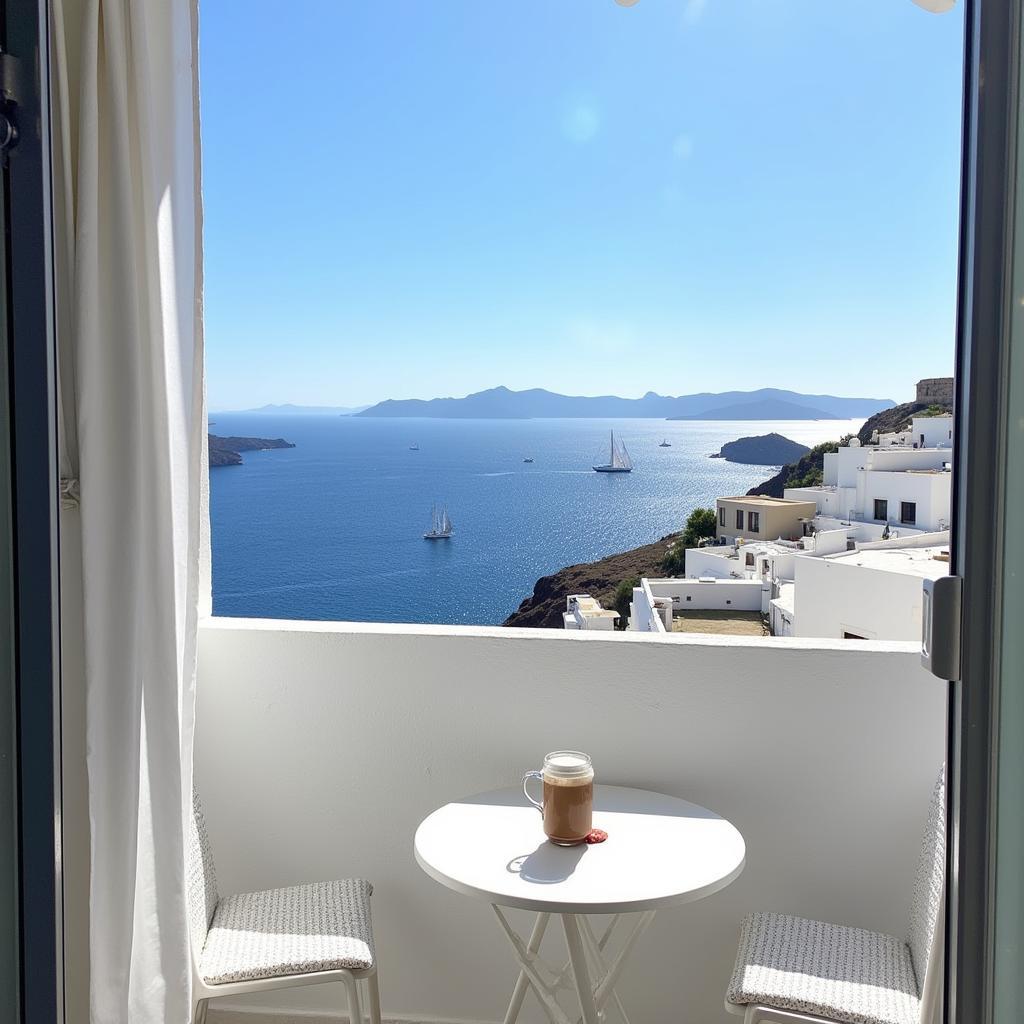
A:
x,y
935,390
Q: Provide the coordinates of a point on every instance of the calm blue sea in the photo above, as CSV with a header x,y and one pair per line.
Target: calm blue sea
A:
x,y
332,529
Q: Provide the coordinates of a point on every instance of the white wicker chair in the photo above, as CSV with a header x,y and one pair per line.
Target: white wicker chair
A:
x,y
790,970
278,938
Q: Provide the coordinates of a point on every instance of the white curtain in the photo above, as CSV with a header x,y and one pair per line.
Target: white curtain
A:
x,y
132,400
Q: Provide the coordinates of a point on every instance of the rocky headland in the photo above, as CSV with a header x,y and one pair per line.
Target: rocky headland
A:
x,y
227,451
763,450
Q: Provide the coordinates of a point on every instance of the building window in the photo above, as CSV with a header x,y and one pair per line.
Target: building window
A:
x,y
750,558
754,522
881,509
721,517
739,519
908,512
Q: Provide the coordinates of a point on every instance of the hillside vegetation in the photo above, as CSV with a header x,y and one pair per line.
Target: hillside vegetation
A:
x,y
808,470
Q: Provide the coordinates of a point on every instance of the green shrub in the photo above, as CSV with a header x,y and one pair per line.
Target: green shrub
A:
x,y
623,595
701,523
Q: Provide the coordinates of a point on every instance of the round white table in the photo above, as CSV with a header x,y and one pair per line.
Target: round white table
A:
x,y
661,851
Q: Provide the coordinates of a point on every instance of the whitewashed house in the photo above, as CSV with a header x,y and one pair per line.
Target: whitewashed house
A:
x,y
924,432
585,612
882,492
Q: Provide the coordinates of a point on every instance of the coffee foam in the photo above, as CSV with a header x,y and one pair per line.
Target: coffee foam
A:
x,y
577,780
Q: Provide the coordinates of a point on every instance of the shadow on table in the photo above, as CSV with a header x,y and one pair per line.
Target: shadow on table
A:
x,y
548,864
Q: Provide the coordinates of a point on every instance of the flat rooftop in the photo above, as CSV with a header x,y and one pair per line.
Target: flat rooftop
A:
x,y
757,547
764,499
719,623
927,563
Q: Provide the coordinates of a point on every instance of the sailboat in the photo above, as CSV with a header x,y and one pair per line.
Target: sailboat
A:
x,y
666,443
619,461
440,524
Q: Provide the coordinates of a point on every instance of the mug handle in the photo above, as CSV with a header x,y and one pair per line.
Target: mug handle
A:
x,y
526,792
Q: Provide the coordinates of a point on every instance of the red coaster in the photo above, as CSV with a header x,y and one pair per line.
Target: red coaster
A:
x,y
596,835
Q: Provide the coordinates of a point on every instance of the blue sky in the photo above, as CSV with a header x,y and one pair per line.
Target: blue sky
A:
x,y
411,199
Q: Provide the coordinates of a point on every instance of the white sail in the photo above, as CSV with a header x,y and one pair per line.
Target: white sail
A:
x,y
440,524
618,459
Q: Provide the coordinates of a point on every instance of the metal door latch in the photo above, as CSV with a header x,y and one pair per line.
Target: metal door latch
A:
x,y
940,627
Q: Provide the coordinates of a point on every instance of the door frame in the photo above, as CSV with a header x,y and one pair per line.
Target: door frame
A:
x,y
33,443
992,62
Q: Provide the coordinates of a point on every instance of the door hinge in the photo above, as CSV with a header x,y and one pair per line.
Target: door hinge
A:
x,y
940,627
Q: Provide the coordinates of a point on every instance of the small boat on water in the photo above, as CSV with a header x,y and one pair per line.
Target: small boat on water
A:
x,y
527,460
414,447
665,444
440,524
619,461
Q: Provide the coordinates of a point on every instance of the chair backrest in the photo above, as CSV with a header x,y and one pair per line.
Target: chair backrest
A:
x,y
929,888
202,880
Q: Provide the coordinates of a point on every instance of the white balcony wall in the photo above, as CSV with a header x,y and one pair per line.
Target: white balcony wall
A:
x,y
321,746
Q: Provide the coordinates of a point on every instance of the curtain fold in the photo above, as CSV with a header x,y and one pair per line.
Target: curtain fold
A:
x,y
127,177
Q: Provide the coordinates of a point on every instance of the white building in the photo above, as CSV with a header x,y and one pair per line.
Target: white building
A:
x,y
762,559
872,593
585,612
924,432
885,492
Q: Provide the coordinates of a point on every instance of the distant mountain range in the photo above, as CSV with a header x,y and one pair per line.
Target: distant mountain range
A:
x,y
300,410
763,404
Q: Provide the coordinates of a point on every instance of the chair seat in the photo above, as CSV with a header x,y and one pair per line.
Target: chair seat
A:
x,y
304,928
828,970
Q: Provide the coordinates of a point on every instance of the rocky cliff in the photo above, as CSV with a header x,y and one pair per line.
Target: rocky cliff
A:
x,y
545,605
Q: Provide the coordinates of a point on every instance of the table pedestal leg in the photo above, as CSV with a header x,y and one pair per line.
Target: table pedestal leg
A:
x,y
593,977
581,975
523,982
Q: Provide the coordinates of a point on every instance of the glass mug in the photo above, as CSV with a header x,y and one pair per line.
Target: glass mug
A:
x,y
568,799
